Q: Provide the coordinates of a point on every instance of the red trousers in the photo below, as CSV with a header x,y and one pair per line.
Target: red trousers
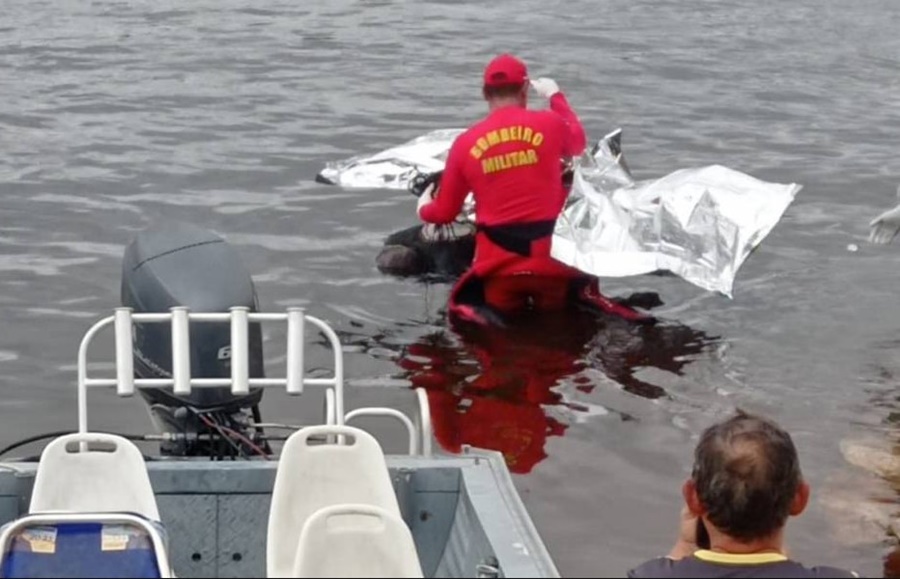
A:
x,y
510,292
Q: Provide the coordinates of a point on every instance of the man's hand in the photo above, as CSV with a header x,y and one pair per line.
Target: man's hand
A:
x,y
686,545
432,233
425,198
546,87
885,227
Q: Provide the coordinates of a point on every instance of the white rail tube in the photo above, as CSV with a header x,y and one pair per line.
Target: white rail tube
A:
x,y
181,352
296,321
124,352
240,352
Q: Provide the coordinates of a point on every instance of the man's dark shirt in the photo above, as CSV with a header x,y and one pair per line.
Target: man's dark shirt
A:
x,y
711,565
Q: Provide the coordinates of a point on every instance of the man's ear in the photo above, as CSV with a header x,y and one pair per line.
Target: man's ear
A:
x,y
691,499
801,499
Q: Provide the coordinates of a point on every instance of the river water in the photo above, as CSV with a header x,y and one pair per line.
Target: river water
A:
x,y
117,115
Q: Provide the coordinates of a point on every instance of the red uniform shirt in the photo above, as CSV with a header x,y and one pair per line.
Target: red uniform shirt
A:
x,y
510,161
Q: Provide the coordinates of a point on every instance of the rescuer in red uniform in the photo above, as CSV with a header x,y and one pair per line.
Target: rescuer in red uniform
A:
x,y
511,162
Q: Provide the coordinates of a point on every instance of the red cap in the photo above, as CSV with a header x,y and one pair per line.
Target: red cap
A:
x,y
505,70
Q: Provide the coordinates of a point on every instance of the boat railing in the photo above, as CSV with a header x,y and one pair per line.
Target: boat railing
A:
x,y
240,382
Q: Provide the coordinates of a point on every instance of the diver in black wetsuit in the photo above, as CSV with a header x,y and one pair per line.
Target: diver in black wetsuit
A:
x,y
428,250
445,252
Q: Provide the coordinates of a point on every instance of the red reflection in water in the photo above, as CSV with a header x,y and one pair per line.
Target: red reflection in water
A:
x,y
488,387
488,391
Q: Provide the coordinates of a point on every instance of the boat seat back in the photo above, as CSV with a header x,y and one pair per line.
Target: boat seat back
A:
x,y
312,476
92,472
356,541
83,545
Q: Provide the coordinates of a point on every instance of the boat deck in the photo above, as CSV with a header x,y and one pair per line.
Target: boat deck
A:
x,y
465,516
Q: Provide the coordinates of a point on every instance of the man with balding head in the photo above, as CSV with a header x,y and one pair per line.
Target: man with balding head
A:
x,y
745,484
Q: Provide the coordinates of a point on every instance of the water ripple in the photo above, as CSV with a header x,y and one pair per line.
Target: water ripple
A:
x,y
118,115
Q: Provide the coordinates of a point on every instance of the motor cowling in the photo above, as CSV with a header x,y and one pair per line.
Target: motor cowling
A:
x,y
179,264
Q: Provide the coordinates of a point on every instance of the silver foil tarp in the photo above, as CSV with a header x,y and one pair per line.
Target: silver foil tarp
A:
x,y
393,168
699,223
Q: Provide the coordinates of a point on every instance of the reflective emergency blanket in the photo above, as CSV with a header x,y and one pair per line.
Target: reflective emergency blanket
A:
x,y
698,223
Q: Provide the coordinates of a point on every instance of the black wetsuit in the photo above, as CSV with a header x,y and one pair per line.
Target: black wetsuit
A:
x,y
406,253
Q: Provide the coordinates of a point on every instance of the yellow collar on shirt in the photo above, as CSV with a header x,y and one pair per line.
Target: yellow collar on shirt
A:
x,y
736,559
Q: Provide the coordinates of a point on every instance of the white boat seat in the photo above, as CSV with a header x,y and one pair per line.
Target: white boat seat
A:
x,y
312,476
356,541
108,477
83,545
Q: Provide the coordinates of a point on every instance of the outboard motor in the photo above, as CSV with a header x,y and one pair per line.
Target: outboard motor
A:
x,y
179,264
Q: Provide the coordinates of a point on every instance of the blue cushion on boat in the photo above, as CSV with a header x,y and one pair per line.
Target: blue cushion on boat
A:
x,y
81,549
